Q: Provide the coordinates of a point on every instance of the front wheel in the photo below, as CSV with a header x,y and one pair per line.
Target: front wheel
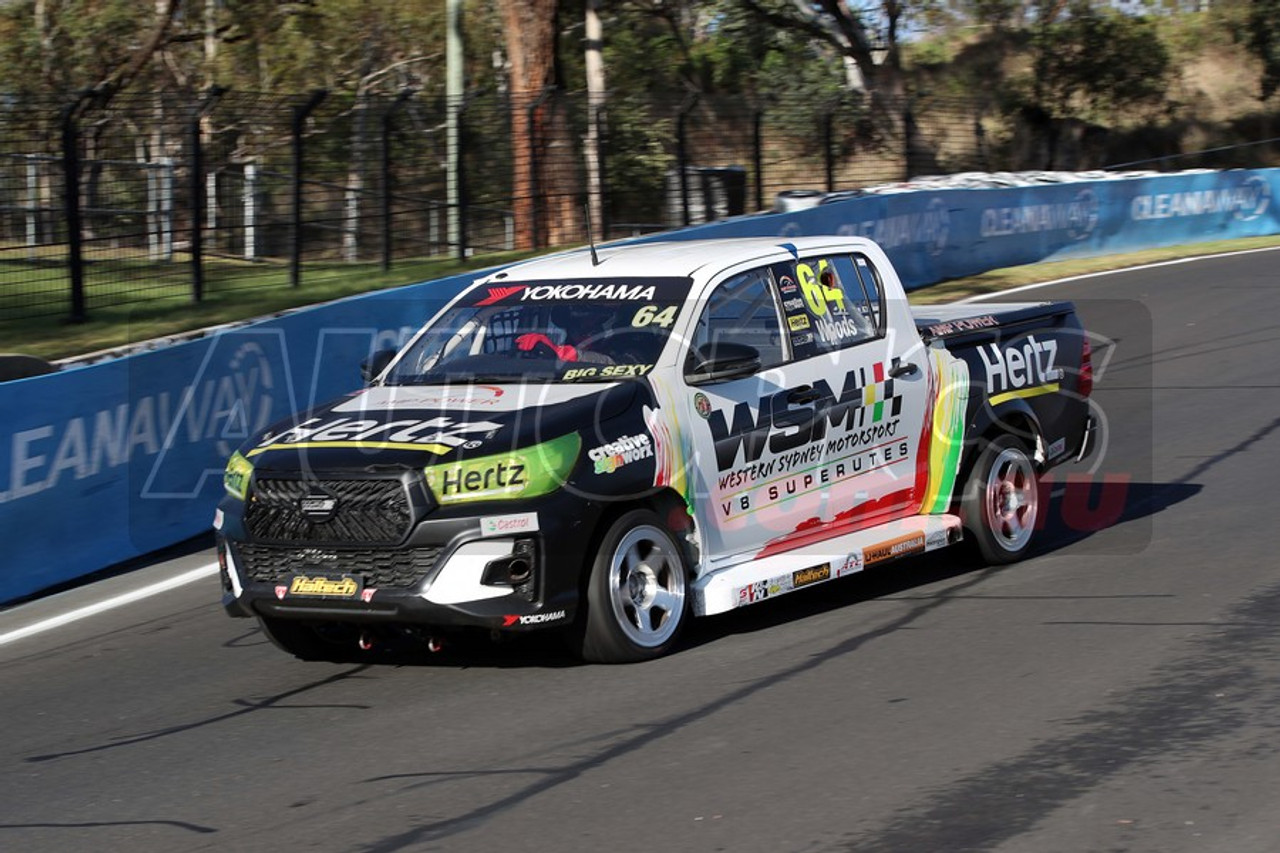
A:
x,y
636,594
1001,503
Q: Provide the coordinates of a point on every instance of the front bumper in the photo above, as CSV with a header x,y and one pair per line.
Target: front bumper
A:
x,y
467,571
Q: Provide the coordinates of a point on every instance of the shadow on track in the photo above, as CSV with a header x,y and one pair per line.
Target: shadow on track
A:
x,y
1065,527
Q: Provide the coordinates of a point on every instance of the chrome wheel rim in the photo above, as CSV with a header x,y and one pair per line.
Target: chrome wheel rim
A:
x,y
1012,500
646,586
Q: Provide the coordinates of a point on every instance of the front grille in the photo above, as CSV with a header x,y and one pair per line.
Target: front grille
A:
x,y
381,568
373,511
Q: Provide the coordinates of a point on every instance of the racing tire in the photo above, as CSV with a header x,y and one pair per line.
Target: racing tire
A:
x,y
637,594
1001,507
305,642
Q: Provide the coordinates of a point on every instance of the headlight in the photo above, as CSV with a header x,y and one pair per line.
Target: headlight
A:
x,y
525,473
236,477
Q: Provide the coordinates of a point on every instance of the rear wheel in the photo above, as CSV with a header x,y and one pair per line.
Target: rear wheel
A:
x,y
1001,503
637,592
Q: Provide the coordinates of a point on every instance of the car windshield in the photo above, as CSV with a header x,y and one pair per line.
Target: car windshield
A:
x,y
547,331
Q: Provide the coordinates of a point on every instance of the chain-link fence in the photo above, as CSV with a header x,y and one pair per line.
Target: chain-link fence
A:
x,y
136,197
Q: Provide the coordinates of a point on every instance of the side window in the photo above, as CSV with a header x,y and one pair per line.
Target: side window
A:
x,y
870,279
743,310
826,304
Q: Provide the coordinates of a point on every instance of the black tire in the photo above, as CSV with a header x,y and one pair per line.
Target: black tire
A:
x,y
637,593
337,643
18,366
1001,504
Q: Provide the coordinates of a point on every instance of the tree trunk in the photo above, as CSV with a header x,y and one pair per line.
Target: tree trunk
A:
x,y
595,106
544,168
359,157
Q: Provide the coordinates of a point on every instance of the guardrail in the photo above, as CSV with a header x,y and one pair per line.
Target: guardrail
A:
x,y
109,461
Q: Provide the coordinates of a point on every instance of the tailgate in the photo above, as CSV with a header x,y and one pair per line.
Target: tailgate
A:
x,y
956,321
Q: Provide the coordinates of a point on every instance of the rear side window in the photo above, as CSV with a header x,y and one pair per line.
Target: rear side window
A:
x,y
870,280
826,304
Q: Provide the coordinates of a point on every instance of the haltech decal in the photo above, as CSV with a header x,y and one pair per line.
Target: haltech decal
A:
x,y
813,574
344,587
902,546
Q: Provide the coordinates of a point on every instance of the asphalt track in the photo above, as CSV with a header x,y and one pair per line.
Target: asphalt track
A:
x,y
1118,692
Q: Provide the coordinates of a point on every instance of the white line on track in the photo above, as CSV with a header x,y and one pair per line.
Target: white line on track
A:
x,y
1002,293
125,598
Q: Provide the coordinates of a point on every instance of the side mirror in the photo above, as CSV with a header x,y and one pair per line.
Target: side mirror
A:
x,y
722,360
375,364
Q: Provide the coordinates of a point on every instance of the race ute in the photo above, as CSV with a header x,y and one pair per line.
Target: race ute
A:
x,y
610,444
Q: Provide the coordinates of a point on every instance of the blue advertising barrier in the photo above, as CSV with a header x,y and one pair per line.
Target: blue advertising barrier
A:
x,y
106,462
935,235
109,461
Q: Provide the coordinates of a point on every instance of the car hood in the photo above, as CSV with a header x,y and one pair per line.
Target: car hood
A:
x,y
415,426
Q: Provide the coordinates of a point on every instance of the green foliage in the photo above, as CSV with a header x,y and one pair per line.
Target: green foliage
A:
x,y
1264,42
1096,61
80,45
341,45
260,45
935,52
996,14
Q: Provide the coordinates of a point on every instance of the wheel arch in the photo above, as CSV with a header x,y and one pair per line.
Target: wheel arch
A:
x,y
665,503
1013,417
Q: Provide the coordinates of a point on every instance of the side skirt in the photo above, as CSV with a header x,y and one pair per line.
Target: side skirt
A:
x,y
755,580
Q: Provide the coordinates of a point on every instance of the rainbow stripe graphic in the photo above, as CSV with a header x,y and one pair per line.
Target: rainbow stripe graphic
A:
x,y
671,457
948,430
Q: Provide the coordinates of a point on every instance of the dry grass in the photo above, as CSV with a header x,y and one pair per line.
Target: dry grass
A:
x,y
1010,277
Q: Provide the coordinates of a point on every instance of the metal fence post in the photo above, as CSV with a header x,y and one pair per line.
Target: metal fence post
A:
x,y
198,191
387,118
757,155
682,160
908,140
249,197
164,211
300,114
602,171
536,206
71,206
462,182
211,206
829,156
